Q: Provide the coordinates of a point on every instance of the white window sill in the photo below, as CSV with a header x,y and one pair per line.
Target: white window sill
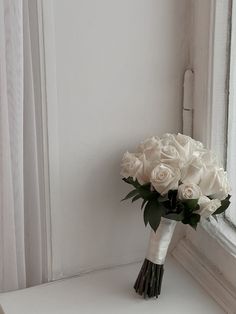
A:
x,y
110,291
216,244
223,232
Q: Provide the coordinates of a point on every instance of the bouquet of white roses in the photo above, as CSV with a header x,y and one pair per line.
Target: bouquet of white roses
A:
x,y
178,180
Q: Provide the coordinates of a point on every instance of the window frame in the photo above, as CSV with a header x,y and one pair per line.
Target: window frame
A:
x,y
218,106
211,62
231,155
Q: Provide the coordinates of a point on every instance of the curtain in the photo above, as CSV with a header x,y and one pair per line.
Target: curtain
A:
x,y
23,260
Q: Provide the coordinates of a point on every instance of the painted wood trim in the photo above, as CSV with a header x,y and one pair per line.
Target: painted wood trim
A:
x,y
231,152
211,77
49,83
44,137
36,32
219,77
188,103
208,277
210,65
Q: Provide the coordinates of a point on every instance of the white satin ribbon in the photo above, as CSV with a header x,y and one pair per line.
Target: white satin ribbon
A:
x,y
159,241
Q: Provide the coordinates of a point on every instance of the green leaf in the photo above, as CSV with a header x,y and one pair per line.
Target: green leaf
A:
x,y
192,220
224,205
128,180
175,216
145,194
172,195
146,186
152,214
130,194
191,205
163,199
155,217
143,203
166,204
144,190
180,207
131,181
146,213
136,198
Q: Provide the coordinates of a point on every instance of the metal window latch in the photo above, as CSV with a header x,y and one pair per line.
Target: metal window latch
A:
x,y
188,103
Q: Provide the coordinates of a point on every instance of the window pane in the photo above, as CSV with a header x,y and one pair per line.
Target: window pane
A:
x,y
231,154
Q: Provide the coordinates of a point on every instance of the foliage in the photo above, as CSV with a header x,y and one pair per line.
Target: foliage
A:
x,y
169,206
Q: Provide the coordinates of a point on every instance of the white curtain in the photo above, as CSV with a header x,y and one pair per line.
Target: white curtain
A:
x,y
23,260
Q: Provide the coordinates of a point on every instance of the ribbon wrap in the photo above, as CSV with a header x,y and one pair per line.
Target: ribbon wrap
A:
x,y
159,241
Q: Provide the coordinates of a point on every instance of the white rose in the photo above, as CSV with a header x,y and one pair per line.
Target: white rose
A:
x,y
168,138
210,159
148,166
131,166
148,143
207,206
185,146
169,155
185,140
192,171
214,182
225,189
189,191
165,178
151,148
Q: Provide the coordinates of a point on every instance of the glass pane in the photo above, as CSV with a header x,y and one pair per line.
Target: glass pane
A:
x,y
231,154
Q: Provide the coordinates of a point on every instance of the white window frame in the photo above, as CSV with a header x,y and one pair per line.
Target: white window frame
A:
x,y
210,253
49,89
211,93
231,152
210,65
36,30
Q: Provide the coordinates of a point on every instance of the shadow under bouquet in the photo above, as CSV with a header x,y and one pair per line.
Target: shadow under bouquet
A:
x,y
178,180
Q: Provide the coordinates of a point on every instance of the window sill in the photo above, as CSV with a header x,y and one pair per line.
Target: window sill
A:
x,y
223,232
110,291
216,244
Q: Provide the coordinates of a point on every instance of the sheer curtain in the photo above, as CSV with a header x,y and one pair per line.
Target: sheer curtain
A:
x,y
23,260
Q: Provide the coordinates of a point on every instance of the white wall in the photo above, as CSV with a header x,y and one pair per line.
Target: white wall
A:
x,y
120,67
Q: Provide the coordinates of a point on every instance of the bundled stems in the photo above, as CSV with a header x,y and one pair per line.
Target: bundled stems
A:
x,y
149,280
